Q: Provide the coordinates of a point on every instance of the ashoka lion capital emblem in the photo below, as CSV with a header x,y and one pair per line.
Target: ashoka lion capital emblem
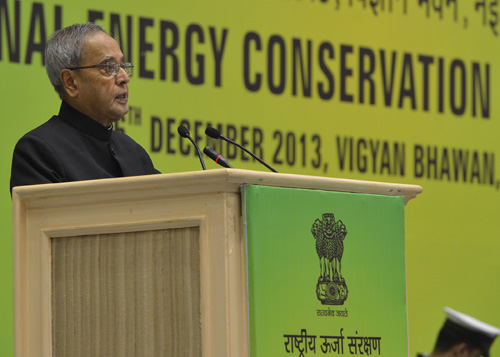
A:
x,y
331,288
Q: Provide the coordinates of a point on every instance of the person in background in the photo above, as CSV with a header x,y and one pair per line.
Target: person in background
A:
x,y
88,70
463,336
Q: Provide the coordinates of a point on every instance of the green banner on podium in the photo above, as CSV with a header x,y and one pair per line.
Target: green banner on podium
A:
x,y
326,273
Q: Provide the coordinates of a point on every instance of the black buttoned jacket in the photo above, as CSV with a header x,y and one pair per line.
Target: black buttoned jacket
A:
x,y
73,147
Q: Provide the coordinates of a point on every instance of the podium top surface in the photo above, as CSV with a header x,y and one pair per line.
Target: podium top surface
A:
x,y
196,182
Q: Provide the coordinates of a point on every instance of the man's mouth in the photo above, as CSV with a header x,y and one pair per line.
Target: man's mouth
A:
x,y
122,97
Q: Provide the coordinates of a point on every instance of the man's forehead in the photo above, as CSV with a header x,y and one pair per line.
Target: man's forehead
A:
x,y
113,59
102,47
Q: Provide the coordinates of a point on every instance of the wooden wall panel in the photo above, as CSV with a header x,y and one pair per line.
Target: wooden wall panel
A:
x,y
127,294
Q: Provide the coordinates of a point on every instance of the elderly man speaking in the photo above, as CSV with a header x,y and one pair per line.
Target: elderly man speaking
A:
x,y
88,70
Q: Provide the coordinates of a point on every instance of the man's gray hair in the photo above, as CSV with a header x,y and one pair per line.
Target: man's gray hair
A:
x,y
64,49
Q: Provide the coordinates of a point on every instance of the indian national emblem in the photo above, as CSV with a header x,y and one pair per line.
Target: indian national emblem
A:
x,y
330,234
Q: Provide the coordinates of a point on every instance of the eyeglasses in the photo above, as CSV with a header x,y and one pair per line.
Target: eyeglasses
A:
x,y
111,68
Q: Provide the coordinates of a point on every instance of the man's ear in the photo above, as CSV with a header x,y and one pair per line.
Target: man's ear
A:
x,y
462,350
69,82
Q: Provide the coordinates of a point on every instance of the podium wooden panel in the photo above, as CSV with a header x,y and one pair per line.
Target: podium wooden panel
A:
x,y
150,265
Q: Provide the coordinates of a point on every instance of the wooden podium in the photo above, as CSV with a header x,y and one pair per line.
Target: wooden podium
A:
x,y
141,266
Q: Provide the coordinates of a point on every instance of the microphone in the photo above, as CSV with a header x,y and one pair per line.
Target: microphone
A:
x,y
218,158
184,132
216,134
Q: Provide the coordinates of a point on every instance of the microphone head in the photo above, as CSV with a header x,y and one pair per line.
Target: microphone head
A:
x,y
183,131
212,132
214,155
210,152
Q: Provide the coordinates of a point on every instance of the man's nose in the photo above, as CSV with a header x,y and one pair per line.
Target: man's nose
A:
x,y
122,76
